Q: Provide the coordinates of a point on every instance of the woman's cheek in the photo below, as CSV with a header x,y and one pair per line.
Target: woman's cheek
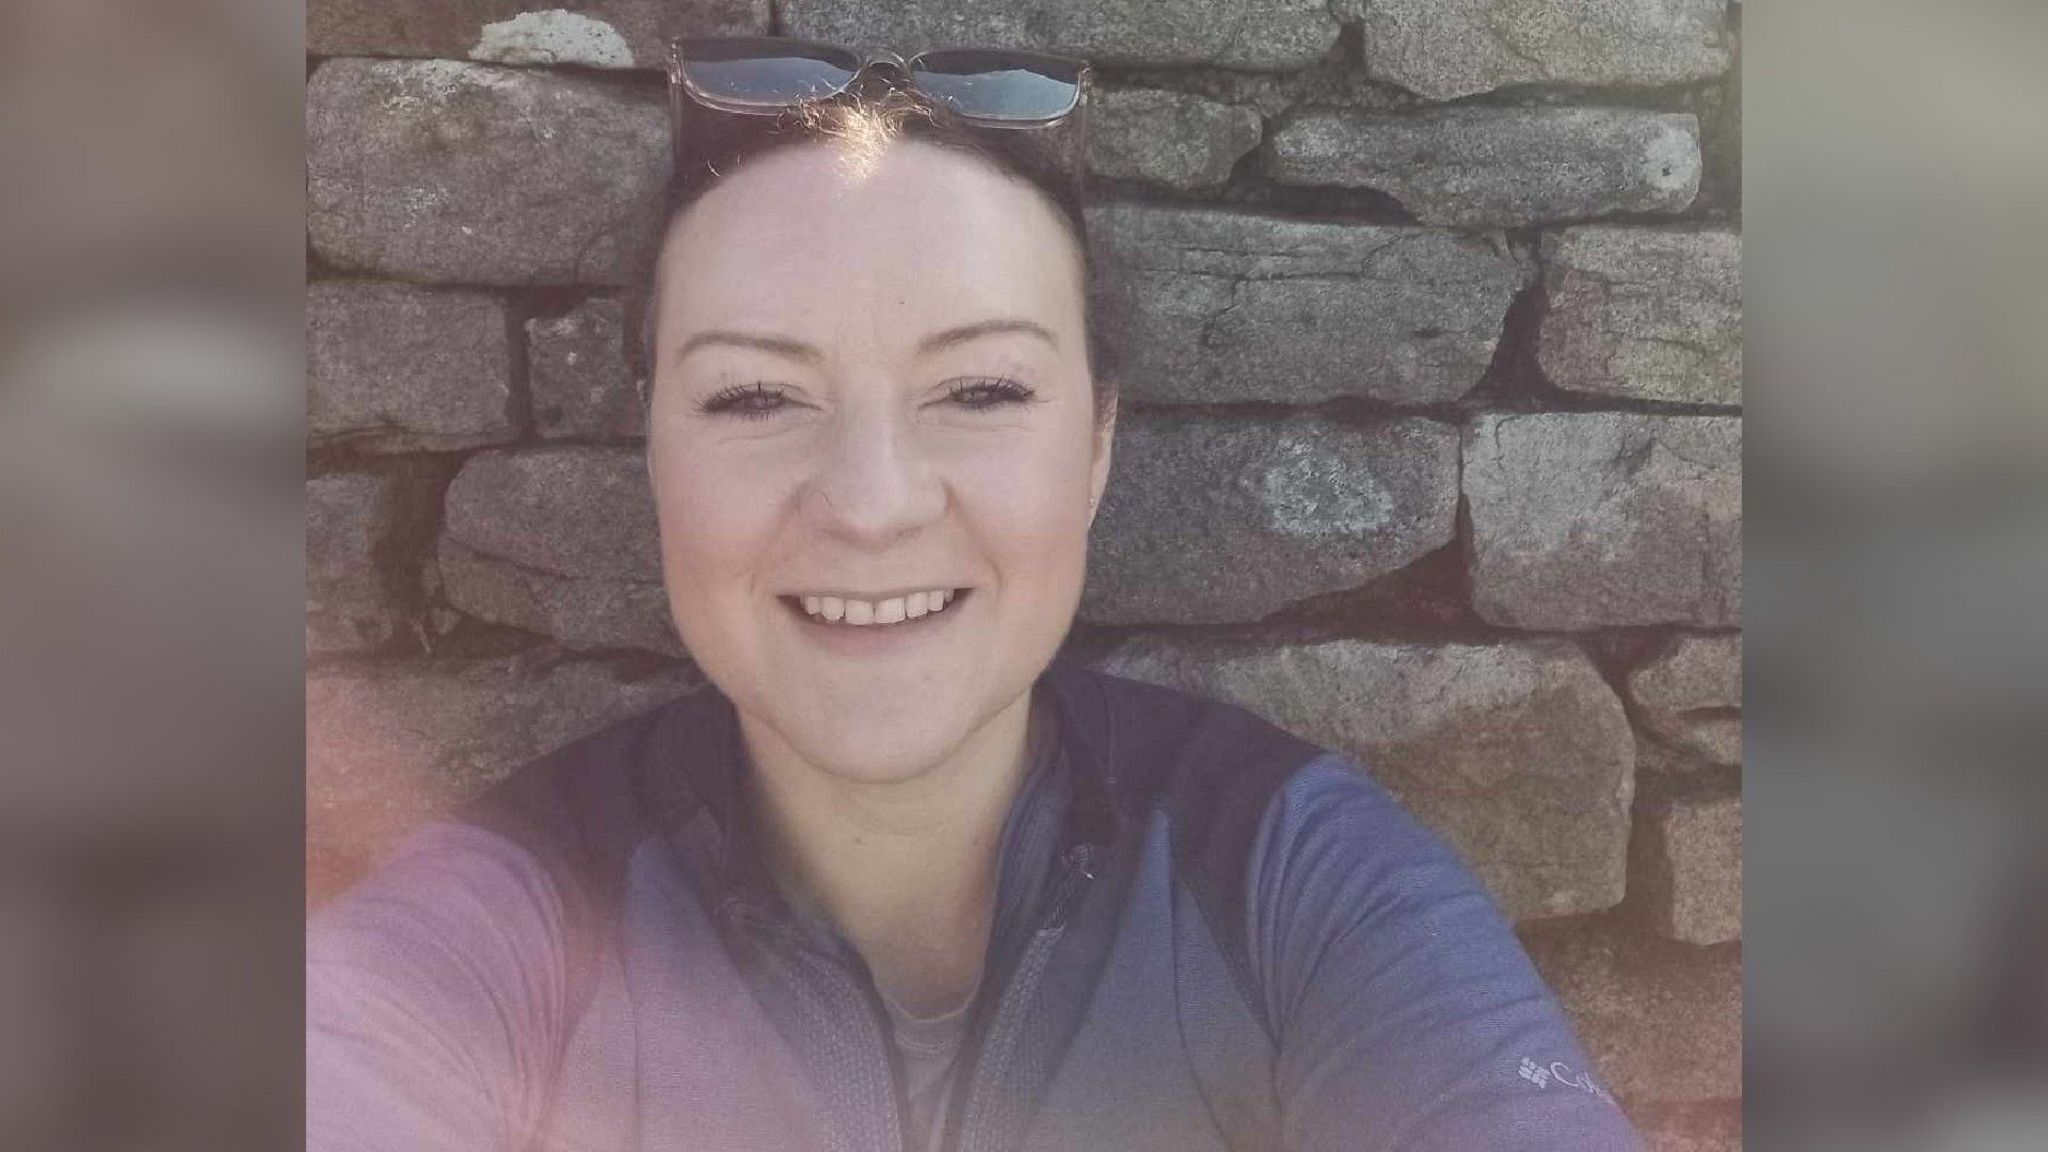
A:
x,y
700,513
1036,511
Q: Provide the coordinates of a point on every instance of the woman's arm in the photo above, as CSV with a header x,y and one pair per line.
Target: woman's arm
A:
x,y
433,994
1408,1015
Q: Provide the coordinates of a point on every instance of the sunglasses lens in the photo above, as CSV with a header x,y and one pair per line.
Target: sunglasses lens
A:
x,y
997,85
766,73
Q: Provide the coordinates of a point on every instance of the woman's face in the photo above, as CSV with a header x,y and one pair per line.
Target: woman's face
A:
x,y
872,393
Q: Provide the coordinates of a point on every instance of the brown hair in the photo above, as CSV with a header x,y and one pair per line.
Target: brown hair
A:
x,y
1049,160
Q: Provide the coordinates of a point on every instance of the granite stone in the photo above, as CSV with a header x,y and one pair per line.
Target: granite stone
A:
x,y
1691,696
1169,138
580,378
1288,508
448,171
1643,314
559,540
1693,867
395,368
1445,49
1230,307
584,33
350,520
1511,167
1255,34
1597,519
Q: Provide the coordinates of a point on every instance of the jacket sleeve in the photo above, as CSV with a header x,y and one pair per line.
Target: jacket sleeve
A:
x,y
1406,1014
432,1000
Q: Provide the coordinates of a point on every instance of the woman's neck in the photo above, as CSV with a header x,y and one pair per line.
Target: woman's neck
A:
x,y
906,869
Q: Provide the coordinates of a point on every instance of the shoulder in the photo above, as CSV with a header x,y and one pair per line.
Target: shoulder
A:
x,y
455,912
439,987
1338,858
1278,836
1198,758
1230,779
580,798
1236,792
1397,997
432,996
1231,782
526,862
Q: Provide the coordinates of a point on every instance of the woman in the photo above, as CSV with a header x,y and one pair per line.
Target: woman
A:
x,y
898,878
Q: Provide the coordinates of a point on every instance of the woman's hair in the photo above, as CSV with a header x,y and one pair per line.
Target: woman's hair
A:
x,y
863,128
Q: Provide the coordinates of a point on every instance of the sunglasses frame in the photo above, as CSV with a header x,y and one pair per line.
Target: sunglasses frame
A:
x,y
889,66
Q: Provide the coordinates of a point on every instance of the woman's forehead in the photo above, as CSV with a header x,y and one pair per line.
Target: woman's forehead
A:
x,y
922,237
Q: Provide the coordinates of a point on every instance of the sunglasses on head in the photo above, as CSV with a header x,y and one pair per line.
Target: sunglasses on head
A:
x,y
764,76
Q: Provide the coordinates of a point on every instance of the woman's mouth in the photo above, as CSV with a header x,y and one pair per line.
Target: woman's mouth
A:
x,y
891,611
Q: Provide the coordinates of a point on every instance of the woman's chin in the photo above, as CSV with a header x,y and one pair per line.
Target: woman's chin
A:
x,y
862,754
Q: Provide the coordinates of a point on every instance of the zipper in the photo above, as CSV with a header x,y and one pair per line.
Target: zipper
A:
x,y
1073,882
1075,877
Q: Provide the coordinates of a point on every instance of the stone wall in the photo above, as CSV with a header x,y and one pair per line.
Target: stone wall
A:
x,y
1437,314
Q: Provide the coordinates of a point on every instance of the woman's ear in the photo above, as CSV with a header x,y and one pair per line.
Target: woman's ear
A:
x,y
1105,436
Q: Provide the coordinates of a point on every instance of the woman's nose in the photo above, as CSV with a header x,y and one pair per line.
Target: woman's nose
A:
x,y
874,484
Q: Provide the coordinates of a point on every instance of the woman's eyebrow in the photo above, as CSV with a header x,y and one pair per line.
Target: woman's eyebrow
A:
x,y
809,354
953,337
775,345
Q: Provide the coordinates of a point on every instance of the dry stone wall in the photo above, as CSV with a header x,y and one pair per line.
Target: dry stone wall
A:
x,y
1430,445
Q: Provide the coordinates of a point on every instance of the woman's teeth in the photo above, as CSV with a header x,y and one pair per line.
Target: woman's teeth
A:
x,y
895,610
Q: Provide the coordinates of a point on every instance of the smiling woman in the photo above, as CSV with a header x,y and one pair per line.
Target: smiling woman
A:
x,y
897,877
894,362
880,392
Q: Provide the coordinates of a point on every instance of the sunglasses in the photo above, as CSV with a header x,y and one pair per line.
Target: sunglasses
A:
x,y
764,76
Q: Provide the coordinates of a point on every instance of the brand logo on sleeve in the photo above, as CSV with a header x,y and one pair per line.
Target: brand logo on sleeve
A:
x,y
1559,1073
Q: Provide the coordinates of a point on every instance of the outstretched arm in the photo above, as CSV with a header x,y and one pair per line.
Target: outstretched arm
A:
x,y
1407,1014
432,1001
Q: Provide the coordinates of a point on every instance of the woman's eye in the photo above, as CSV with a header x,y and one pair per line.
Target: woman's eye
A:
x,y
746,401
759,401
988,392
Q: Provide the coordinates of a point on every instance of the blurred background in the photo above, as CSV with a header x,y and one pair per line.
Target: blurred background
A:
x,y
152,602
1895,176
150,559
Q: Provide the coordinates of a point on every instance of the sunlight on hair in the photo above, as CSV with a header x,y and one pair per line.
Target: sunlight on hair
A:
x,y
862,132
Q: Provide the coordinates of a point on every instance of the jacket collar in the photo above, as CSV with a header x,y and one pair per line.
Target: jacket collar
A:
x,y
701,789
